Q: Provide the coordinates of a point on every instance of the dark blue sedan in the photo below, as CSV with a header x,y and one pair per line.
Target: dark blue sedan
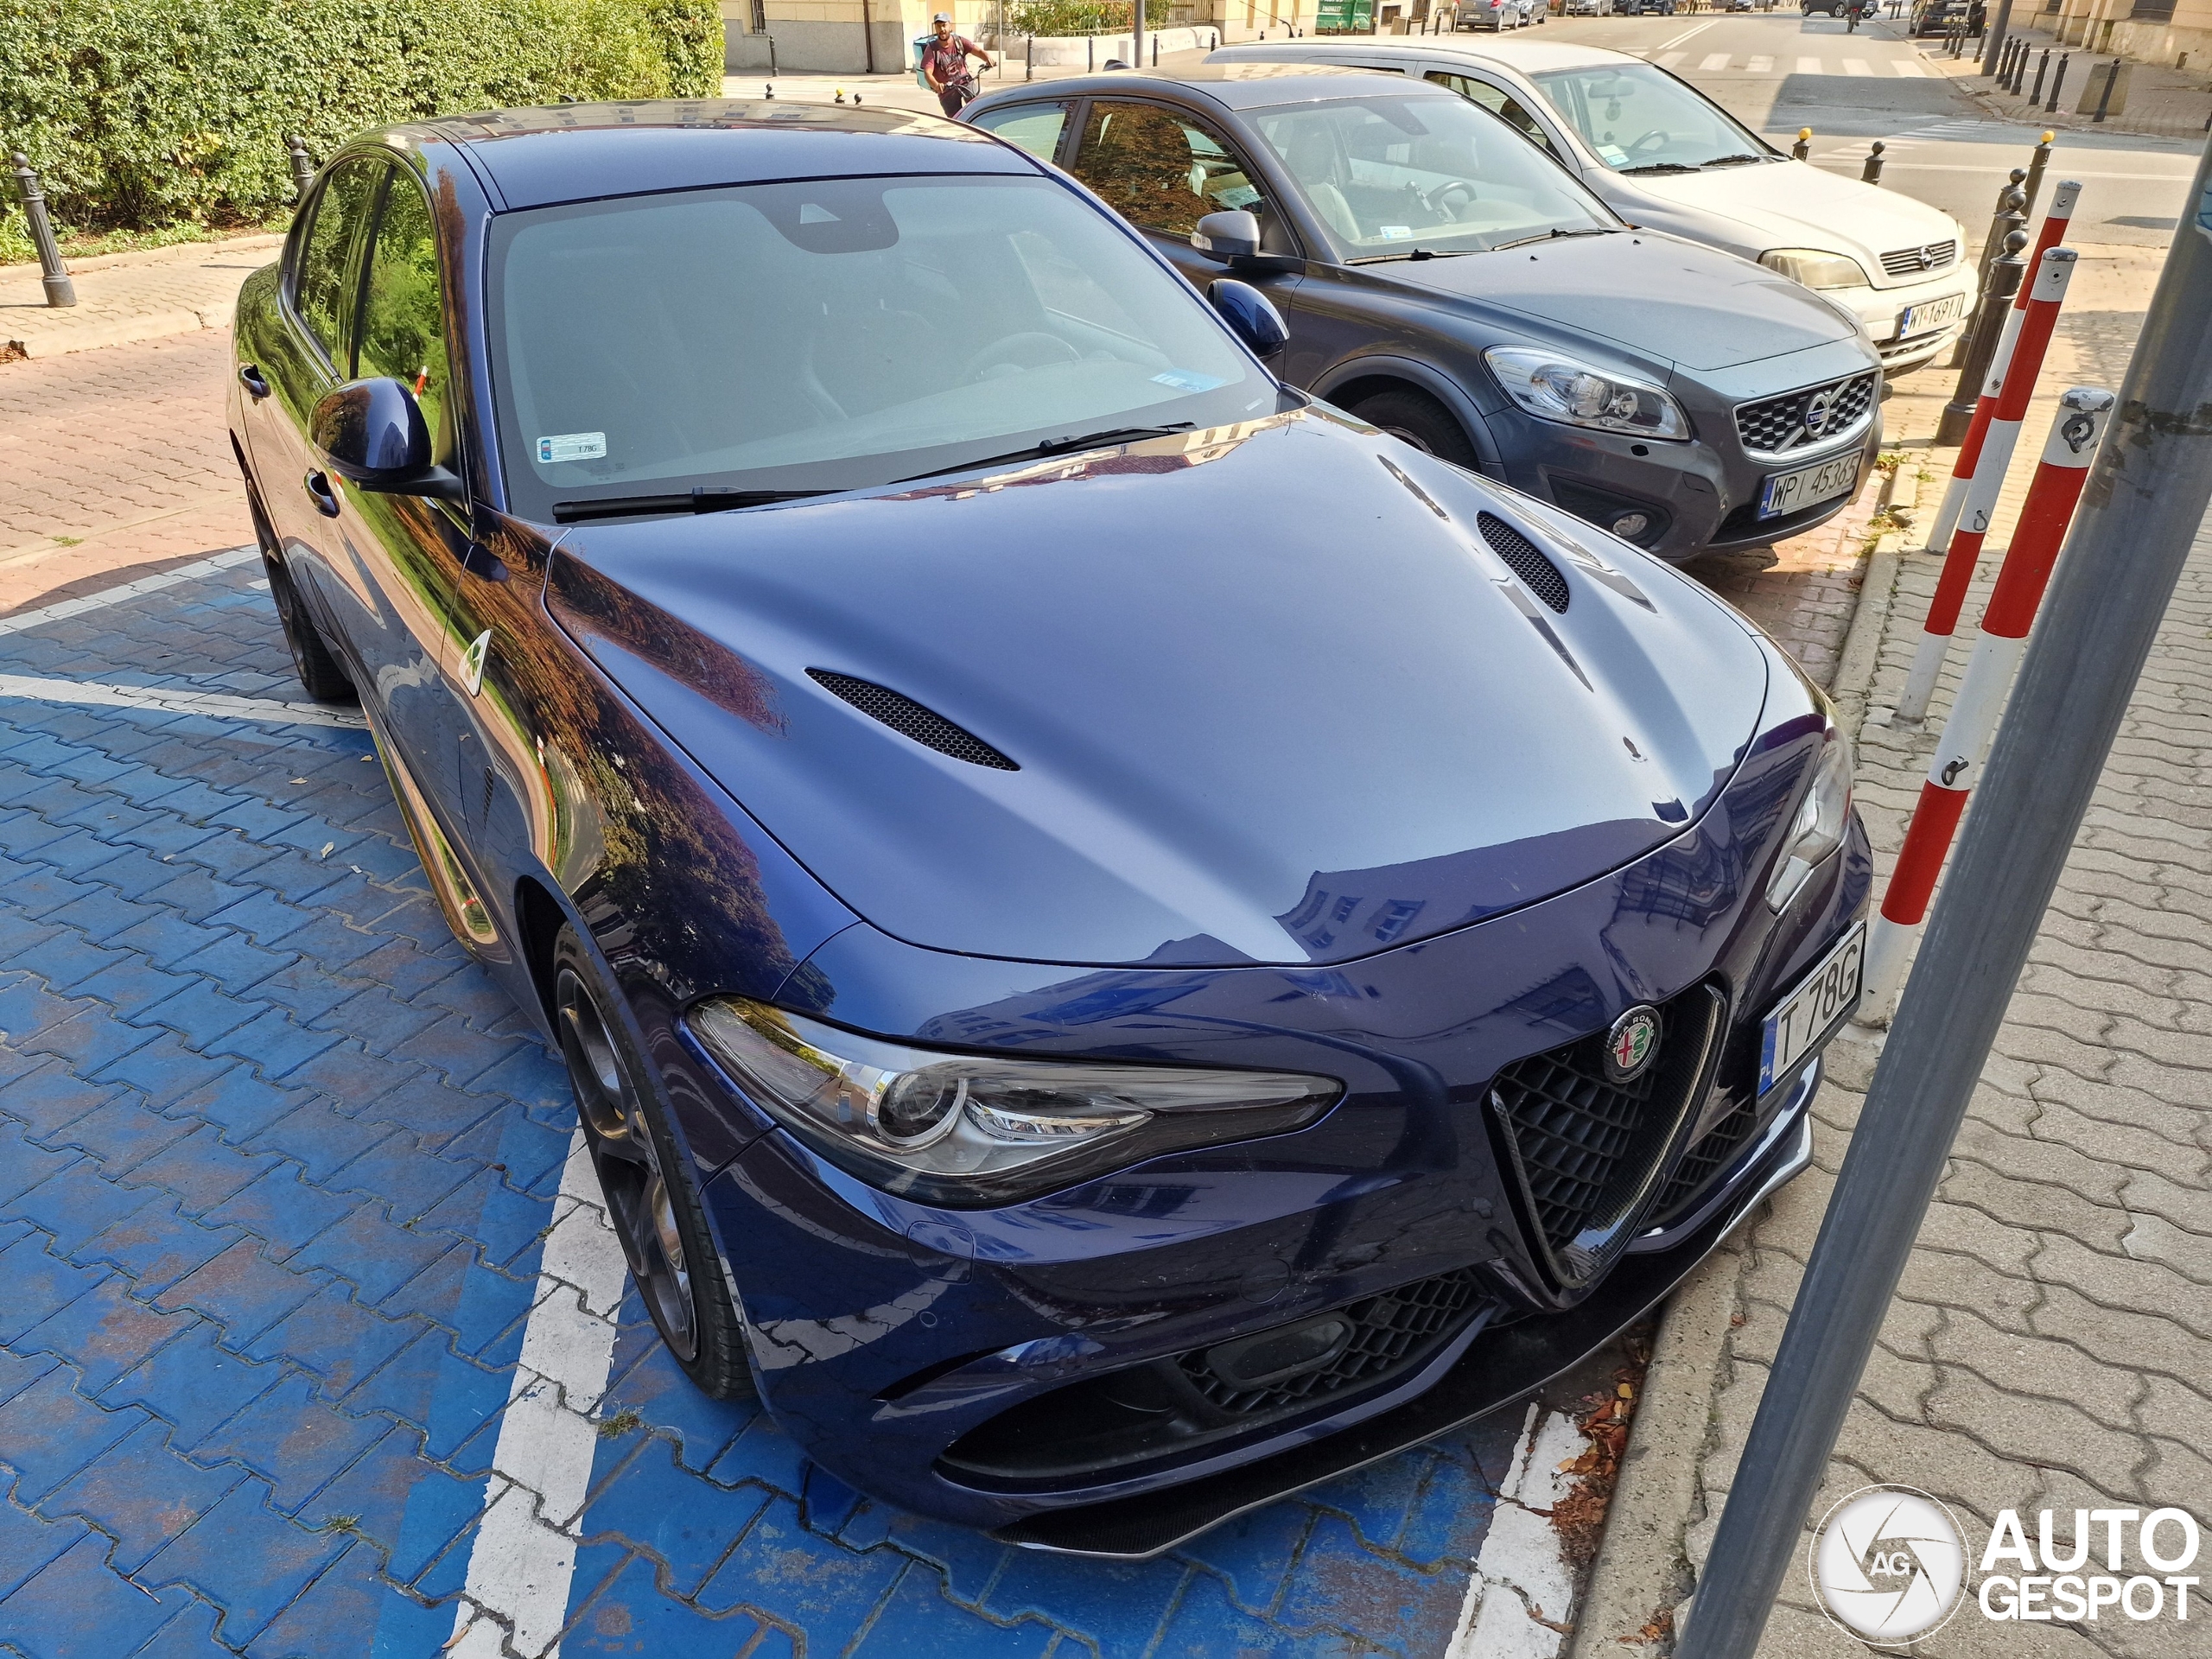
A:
x,y
1125,942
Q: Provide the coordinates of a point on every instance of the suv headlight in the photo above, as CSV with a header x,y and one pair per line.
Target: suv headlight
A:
x,y
1557,388
968,1131
1816,267
1818,829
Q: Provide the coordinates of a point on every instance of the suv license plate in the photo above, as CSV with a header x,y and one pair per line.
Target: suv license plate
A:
x,y
1919,319
1821,1003
1808,485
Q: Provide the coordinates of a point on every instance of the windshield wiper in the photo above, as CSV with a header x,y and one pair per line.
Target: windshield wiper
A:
x,y
1658,167
1546,235
1058,446
1739,160
621,506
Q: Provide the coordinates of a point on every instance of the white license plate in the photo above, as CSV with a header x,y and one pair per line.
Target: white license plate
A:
x,y
1821,1003
1808,485
1919,319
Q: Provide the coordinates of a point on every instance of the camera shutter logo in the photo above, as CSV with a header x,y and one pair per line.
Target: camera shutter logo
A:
x,y
1888,1564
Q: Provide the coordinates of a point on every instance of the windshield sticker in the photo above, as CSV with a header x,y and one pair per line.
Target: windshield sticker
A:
x,y
1393,232
572,446
1184,381
1613,155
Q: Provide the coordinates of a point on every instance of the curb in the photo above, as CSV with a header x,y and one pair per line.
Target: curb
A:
x,y
68,332
125,331
1643,1573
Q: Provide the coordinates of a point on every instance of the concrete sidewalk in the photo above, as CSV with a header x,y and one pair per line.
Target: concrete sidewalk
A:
x,y
123,297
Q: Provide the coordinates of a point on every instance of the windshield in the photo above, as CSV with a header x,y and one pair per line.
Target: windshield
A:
x,y
1390,176
833,336
1639,118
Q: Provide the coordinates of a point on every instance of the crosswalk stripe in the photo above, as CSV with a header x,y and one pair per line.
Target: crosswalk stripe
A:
x,y
1809,66
1759,65
1672,59
1905,67
1714,60
1856,66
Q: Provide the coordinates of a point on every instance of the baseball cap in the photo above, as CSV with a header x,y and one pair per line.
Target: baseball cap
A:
x,y
942,17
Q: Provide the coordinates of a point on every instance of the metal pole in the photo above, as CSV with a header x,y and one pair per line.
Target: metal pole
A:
x,y
2057,82
60,290
1991,244
2038,163
1803,147
2143,506
1871,173
302,167
1980,343
2104,98
2043,68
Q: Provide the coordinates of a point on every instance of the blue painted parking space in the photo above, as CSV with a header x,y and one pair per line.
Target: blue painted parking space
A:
x,y
284,1182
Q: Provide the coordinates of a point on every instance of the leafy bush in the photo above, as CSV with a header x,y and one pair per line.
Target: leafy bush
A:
x,y
140,113
1057,17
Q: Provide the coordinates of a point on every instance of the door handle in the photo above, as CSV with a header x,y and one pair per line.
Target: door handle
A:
x,y
249,378
319,491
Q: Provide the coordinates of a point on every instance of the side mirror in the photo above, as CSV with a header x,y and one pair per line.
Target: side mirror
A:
x,y
1233,235
371,434
1250,315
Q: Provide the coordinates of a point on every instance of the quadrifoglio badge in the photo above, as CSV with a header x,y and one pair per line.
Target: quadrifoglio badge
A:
x,y
1888,1564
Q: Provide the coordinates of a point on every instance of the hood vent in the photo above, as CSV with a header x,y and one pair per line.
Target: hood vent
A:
x,y
1527,559
908,718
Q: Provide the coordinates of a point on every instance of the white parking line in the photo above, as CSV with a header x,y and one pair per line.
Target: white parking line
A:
x,y
1519,1595
117,594
524,1551
179,700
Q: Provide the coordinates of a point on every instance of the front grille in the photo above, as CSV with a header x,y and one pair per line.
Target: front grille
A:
x,y
1586,1150
1713,1150
903,715
1526,558
1776,425
1911,262
1391,1331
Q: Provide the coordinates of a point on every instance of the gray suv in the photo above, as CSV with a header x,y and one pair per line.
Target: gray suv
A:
x,y
1447,281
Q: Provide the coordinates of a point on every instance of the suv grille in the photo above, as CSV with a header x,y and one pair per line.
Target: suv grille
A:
x,y
1704,1160
1911,262
1775,425
1586,1149
1389,1332
1527,560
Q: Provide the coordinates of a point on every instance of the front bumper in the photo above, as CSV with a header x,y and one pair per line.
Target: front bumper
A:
x,y
886,1335
1882,313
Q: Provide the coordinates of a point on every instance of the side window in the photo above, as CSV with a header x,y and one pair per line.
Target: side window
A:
x,y
1158,170
1498,102
402,319
320,292
1033,127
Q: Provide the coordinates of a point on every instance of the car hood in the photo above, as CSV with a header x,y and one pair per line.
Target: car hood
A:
x,y
1271,697
1786,204
1669,300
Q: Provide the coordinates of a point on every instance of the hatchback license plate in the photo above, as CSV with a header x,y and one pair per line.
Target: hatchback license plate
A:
x,y
1919,319
1808,485
1821,1003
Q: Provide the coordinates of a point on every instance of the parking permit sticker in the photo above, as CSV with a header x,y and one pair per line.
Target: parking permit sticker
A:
x,y
572,446
1395,232
1184,380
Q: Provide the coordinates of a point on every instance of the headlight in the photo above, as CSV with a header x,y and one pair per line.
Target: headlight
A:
x,y
1818,829
963,1131
1816,267
1556,388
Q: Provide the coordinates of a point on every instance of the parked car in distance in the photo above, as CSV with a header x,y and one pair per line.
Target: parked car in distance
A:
x,y
1124,942
1824,8
1936,17
1442,279
1584,8
1643,8
1661,153
1497,16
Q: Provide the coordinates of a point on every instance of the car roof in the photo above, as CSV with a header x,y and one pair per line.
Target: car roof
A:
x,y
573,152
1530,57
1232,85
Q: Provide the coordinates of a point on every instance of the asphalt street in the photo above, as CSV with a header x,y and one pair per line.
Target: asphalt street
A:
x,y
1779,70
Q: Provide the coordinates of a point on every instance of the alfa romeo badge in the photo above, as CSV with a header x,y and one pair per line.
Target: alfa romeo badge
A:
x,y
1630,1043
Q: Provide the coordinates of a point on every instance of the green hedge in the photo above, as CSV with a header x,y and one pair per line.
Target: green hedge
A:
x,y
141,113
1046,18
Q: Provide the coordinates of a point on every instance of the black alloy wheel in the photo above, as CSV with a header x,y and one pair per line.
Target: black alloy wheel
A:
x,y
1416,418
320,672
652,1199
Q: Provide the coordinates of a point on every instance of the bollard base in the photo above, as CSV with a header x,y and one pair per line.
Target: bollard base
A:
x,y
60,290
1951,427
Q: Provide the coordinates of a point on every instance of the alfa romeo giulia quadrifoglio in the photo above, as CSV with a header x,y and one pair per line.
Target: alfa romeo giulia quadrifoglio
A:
x,y
1125,942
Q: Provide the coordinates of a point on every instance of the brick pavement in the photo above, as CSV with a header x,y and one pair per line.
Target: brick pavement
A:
x,y
122,298
299,1268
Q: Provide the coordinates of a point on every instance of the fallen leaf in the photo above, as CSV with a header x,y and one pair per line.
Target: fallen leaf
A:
x,y
328,847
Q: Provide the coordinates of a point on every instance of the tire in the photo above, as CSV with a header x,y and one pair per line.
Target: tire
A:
x,y
320,672
652,1196
1416,418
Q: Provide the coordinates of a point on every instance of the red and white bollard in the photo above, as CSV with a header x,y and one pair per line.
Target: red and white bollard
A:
x,y
2053,271
2049,237
2083,413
